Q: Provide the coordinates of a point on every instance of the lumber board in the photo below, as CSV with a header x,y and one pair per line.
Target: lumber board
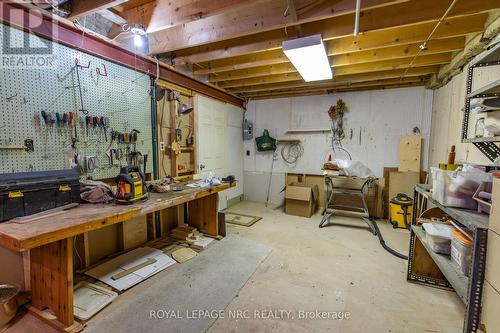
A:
x,y
52,278
202,214
92,217
410,153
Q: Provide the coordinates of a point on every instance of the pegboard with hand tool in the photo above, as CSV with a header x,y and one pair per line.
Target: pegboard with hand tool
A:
x,y
87,113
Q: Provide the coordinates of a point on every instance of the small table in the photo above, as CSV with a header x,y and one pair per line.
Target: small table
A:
x,y
359,192
51,239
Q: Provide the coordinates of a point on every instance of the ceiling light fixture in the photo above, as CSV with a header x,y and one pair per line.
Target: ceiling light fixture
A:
x,y
308,56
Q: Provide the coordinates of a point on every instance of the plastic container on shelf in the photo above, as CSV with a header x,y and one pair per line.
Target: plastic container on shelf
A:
x,y
438,237
461,251
483,197
457,188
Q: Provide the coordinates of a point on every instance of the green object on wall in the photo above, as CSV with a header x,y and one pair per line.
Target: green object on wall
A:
x,y
265,142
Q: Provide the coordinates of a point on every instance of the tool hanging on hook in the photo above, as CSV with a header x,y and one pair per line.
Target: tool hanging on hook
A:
x,y
104,73
77,67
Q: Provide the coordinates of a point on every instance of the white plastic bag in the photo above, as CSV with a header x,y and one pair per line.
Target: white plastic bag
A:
x,y
355,168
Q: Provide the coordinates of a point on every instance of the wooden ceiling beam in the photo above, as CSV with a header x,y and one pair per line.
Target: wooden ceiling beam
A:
x,y
386,53
348,79
219,52
241,62
112,16
376,66
161,14
380,83
435,46
337,90
81,8
284,79
256,19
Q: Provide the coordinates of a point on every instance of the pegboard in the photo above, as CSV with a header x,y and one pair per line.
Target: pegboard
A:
x,y
119,93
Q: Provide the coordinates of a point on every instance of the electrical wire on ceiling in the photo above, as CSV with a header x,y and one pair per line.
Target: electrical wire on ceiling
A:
x,y
423,46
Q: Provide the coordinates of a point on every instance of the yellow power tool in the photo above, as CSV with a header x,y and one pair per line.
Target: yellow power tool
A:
x,y
131,186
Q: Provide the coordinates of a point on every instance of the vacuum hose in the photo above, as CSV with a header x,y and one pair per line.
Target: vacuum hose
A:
x,y
384,245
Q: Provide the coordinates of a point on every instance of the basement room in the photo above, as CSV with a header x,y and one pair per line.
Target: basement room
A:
x,y
264,166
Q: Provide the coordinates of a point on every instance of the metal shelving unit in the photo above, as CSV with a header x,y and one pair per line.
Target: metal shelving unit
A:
x,y
491,139
428,268
486,145
454,275
489,90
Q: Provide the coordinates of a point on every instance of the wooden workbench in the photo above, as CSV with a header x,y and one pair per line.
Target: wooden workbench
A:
x,y
50,239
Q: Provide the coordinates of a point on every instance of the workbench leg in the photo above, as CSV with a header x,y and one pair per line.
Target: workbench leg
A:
x,y
52,279
202,214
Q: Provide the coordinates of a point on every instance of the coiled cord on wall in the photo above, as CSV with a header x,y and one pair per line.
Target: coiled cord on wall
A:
x,y
292,152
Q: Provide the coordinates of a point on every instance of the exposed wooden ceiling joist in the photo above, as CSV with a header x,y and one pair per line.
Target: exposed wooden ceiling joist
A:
x,y
233,80
255,19
81,8
385,53
236,44
338,90
348,79
160,14
112,16
381,83
340,66
369,40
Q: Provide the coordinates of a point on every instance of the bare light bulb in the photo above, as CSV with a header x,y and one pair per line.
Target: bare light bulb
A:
x,y
138,40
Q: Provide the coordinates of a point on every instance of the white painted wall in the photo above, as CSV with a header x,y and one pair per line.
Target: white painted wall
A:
x,y
447,118
382,117
232,146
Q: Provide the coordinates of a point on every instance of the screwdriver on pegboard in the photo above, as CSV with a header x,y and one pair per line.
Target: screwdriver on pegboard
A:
x,y
46,118
58,122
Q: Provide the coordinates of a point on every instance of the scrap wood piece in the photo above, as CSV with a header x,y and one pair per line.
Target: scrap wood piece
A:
x,y
131,270
169,249
44,214
410,153
184,254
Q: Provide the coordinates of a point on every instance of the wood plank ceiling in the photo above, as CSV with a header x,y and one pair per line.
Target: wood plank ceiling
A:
x,y
236,44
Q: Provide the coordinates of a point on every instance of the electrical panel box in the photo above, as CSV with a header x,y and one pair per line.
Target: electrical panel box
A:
x,y
247,130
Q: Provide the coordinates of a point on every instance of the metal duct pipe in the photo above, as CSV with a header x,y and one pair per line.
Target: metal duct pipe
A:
x,y
356,21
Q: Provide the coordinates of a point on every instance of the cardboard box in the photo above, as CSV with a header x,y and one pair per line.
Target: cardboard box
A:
x,y
309,180
300,199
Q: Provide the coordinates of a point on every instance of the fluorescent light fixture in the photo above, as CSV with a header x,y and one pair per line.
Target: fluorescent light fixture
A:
x,y
309,57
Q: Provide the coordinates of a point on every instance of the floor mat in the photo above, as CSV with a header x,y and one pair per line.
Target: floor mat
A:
x,y
241,219
204,285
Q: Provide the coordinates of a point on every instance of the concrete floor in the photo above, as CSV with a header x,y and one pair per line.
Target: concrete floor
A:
x,y
333,269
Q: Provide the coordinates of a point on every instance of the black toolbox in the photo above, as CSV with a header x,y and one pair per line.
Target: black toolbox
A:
x,y
29,193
